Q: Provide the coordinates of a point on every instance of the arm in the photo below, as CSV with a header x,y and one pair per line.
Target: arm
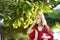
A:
x,y
31,31
47,31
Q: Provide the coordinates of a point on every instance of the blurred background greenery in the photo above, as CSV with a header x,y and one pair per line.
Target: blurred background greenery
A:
x,y
16,16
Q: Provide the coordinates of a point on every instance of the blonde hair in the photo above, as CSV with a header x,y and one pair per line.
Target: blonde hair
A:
x,y
43,20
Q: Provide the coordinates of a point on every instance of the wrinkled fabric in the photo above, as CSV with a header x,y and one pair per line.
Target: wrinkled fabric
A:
x,y
40,33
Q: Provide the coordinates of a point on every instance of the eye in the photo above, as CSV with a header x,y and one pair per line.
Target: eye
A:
x,y
37,18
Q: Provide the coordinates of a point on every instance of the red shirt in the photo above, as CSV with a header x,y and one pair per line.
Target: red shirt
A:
x,y
40,33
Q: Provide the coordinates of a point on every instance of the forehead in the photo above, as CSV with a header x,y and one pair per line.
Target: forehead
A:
x,y
39,16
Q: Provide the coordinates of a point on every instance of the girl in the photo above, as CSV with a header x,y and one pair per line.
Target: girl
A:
x,y
39,30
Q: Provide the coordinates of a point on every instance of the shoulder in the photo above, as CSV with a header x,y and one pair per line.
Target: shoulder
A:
x,y
35,27
46,26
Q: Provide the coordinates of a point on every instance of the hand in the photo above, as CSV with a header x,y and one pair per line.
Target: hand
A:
x,y
45,36
34,22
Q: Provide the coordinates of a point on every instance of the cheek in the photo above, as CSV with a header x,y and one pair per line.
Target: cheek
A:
x,y
38,21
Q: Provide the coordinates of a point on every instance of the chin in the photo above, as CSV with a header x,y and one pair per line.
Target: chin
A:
x,y
37,23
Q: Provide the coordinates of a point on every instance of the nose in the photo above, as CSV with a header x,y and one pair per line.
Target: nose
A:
x,y
36,20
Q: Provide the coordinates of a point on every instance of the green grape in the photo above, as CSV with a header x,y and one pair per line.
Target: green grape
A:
x,y
22,19
19,23
24,23
15,27
25,26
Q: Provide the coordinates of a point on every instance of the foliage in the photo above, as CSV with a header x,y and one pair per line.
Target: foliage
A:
x,y
17,13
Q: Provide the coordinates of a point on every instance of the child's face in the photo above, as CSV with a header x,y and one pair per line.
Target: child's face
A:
x,y
38,19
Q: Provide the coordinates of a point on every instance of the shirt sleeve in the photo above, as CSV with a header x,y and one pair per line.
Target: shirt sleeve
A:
x,y
32,34
48,32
